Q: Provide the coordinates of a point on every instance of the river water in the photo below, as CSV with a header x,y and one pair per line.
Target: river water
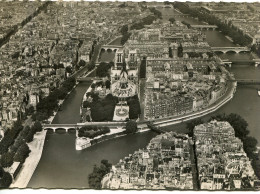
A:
x,y
61,166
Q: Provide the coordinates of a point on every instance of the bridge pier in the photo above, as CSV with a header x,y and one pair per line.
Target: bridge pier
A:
x,y
54,130
257,64
77,132
67,130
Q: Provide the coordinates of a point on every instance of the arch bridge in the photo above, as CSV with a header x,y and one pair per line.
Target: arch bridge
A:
x,y
68,127
230,49
204,27
111,47
247,81
228,62
160,6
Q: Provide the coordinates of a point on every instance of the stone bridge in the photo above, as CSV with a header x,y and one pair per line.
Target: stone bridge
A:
x,y
230,49
204,27
111,48
160,6
71,127
85,79
247,81
228,62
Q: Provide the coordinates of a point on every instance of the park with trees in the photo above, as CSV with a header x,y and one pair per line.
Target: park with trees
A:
x,y
49,104
95,178
14,148
92,131
103,69
5,178
134,107
131,127
101,109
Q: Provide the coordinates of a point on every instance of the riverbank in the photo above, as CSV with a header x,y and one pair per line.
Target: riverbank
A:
x,y
114,133
50,120
30,164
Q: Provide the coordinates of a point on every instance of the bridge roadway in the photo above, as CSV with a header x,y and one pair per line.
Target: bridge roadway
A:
x,y
229,49
160,6
111,47
76,126
204,26
85,79
246,81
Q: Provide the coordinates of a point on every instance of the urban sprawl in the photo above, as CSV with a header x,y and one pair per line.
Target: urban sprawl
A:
x,y
145,70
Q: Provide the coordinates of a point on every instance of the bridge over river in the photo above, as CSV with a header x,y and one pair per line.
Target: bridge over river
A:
x,y
68,127
230,49
247,81
256,62
204,27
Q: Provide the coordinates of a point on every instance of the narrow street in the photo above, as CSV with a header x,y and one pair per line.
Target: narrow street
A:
x,y
194,169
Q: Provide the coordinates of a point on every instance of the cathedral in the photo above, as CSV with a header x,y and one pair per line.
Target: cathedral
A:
x,y
124,81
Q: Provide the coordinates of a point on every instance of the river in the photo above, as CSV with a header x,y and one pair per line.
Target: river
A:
x,y
61,166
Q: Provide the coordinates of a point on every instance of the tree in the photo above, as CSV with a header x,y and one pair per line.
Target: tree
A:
x,y
82,63
61,93
108,83
22,153
102,70
190,126
131,127
1,172
60,66
69,69
180,51
170,52
95,178
249,145
172,20
7,159
86,104
256,165
30,110
39,116
29,137
143,68
134,107
125,37
106,163
124,29
37,126
5,180
25,132
91,65
237,122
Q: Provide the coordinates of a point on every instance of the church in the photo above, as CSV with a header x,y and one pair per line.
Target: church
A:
x,y
124,81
